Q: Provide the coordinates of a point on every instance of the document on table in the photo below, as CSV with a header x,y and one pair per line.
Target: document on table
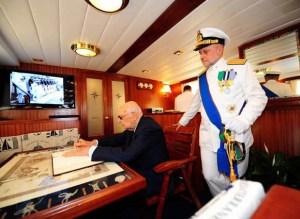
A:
x,y
63,164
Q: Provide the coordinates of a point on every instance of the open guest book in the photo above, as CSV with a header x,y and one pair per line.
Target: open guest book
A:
x,y
61,164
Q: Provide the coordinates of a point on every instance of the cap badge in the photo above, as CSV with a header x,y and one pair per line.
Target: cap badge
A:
x,y
199,37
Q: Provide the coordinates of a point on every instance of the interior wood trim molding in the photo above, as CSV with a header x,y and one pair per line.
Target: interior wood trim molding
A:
x,y
268,37
283,103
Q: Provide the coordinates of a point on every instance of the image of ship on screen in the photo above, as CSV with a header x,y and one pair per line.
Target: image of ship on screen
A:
x,y
27,88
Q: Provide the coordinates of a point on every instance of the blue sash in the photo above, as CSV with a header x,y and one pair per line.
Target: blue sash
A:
x,y
214,116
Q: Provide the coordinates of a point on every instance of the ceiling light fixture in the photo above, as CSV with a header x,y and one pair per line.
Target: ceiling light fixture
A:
x,y
108,6
85,49
178,52
37,60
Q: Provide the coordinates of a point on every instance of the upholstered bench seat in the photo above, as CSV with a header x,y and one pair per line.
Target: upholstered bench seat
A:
x,y
35,141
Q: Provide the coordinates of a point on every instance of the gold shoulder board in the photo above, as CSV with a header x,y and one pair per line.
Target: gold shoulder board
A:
x,y
236,62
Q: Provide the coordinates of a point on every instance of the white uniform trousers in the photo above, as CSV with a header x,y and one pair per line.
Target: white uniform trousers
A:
x,y
215,180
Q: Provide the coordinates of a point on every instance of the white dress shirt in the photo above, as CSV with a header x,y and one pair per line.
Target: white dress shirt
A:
x,y
183,101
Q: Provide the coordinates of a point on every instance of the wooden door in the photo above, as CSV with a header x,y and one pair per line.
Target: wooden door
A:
x,y
102,96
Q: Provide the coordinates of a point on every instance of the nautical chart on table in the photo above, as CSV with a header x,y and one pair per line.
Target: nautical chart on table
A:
x,y
30,175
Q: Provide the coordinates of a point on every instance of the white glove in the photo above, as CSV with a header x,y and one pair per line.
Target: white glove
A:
x,y
237,125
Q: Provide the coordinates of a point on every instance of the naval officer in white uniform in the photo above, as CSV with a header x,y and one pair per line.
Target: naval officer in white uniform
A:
x,y
231,84
183,101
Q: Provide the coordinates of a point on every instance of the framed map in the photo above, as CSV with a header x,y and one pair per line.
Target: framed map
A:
x,y
29,176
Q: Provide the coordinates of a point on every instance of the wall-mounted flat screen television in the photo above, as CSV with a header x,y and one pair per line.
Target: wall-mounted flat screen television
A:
x,y
27,88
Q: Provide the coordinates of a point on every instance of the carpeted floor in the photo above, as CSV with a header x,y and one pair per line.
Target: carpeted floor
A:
x,y
176,208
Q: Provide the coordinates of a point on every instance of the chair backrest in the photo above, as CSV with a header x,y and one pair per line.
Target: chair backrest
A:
x,y
181,146
182,143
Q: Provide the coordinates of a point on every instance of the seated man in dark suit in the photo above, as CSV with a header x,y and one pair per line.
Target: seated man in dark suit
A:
x,y
141,146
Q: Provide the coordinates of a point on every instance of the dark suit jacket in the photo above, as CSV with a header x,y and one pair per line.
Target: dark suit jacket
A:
x,y
141,150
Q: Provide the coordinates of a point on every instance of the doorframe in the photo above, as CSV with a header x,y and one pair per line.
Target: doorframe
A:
x,y
107,101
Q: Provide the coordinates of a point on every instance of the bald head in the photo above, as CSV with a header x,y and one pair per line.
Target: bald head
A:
x,y
130,107
129,115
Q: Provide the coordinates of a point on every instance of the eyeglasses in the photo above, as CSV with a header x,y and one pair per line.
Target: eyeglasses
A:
x,y
121,117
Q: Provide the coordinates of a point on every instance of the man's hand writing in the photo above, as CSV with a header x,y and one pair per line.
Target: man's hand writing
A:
x,y
84,143
79,151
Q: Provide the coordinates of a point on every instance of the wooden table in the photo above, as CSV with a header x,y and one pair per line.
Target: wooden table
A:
x,y
56,204
96,200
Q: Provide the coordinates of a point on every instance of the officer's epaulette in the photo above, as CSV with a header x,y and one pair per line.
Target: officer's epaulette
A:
x,y
202,70
236,62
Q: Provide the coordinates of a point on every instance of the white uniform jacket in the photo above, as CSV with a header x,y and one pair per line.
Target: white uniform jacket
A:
x,y
242,85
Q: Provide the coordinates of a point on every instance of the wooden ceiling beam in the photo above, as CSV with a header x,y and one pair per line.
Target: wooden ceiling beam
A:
x,y
169,18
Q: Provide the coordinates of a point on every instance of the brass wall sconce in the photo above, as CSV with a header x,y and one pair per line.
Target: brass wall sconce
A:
x,y
144,85
166,90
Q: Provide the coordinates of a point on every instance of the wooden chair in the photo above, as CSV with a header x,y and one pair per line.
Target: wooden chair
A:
x,y
181,147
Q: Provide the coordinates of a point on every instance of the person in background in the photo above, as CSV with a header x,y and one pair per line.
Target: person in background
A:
x,y
229,98
274,88
183,100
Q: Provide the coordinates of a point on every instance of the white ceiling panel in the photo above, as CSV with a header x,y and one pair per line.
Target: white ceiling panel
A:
x,y
13,44
93,28
142,19
269,55
6,54
19,16
46,19
72,16
45,29
113,32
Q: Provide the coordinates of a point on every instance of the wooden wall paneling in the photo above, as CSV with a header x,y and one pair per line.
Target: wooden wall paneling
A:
x,y
108,114
145,98
18,127
11,129
148,98
176,89
33,127
279,128
293,132
82,105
